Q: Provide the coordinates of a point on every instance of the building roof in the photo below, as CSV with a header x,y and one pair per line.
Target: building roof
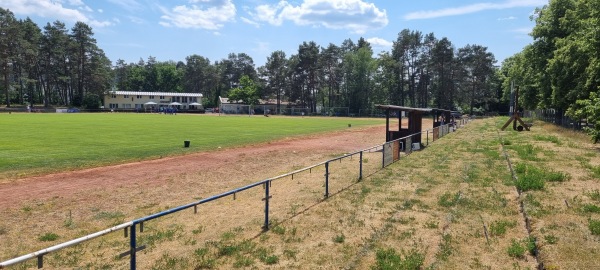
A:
x,y
410,109
170,94
225,100
402,108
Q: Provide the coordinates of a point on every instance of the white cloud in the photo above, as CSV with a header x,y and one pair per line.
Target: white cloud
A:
x,y
507,18
355,15
136,20
473,8
99,24
250,22
131,5
72,11
209,14
380,42
44,8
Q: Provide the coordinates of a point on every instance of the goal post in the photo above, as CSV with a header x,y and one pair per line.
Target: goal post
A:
x,y
294,111
334,111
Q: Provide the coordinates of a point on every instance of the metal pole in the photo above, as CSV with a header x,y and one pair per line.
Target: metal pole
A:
x,y
132,247
266,225
360,175
428,137
326,179
383,156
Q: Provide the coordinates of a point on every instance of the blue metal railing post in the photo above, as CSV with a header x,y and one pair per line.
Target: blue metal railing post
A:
x,y
360,173
326,179
132,247
266,225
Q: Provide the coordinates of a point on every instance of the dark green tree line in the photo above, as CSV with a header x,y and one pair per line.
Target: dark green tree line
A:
x,y
53,65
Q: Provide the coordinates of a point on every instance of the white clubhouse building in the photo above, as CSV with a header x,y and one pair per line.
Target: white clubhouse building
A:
x,y
152,100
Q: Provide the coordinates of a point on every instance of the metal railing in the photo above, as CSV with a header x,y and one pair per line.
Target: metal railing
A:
x,y
393,149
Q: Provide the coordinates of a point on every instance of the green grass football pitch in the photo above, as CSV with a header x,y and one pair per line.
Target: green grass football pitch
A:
x,y
43,143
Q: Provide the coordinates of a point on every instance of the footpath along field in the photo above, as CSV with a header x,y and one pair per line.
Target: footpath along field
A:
x,y
453,205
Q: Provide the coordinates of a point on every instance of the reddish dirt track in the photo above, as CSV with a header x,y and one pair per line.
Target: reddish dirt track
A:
x,y
72,185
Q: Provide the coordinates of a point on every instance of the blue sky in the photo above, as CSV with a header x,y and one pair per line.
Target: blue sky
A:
x,y
174,29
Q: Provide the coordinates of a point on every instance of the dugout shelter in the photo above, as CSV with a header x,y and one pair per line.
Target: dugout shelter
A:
x,y
414,117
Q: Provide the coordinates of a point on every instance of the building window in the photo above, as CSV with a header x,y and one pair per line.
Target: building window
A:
x,y
113,106
114,96
184,99
162,97
138,96
151,97
126,106
126,96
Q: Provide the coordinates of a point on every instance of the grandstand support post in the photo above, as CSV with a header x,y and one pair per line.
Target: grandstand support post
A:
x,y
427,137
360,172
326,179
266,199
132,247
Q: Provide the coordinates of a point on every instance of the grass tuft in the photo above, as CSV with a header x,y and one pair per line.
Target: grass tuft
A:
x,y
516,249
448,199
590,208
594,226
549,138
529,178
388,259
499,227
339,238
48,237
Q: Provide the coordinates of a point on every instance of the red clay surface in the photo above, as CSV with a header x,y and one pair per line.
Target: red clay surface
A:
x,y
266,158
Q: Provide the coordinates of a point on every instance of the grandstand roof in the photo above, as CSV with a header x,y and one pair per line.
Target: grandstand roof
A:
x,y
170,94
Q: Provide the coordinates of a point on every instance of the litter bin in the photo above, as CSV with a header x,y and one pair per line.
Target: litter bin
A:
x,y
186,144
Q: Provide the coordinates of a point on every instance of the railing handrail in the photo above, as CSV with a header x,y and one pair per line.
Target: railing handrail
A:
x,y
42,252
